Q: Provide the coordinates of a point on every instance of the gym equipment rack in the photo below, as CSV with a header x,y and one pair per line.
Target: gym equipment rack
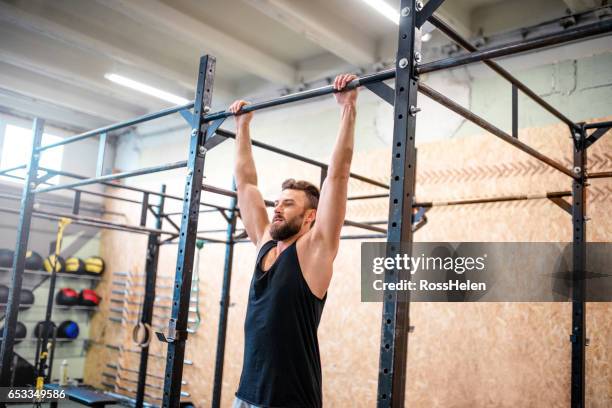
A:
x,y
206,134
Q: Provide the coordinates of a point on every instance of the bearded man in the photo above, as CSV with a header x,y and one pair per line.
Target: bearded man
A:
x,y
295,255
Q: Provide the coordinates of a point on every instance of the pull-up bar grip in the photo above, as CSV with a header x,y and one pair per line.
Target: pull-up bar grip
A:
x,y
309,94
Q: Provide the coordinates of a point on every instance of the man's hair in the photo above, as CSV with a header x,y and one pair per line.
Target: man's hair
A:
x,y
311,191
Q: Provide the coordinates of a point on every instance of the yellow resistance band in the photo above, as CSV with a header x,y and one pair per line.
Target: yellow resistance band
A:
x,y
61,226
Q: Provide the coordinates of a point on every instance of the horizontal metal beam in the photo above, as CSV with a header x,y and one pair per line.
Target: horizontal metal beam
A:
x,y
595,136
477,120
572,34
383,91
453,35
207,240
167,214
363,236
309,94
342,237
265,146
214,207
427,11
93,193
58,204
518,197
369,227
117,176
117,126
598,125
601,174
86,221
348,223
10,169
368,196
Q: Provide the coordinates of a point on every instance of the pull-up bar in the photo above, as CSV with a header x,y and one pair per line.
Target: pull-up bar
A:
x,y
578,33
309,94
117,126
573,34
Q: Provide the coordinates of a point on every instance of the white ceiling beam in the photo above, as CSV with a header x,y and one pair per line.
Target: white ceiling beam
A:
x,y
325,30
34,86
24,106
215,42
53,60
578,6
35,23
56,71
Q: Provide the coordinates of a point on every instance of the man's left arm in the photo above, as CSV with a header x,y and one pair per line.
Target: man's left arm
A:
x,y
332,203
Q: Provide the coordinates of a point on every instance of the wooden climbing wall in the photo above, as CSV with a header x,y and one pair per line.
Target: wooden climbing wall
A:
x,y
460,355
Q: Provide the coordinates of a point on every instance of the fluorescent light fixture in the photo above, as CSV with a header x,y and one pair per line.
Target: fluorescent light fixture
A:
x,y
144,88
384,9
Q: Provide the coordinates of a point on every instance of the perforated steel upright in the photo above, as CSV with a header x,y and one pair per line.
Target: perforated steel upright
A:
x,y
148,303
395,314
578,336
177,326
23,235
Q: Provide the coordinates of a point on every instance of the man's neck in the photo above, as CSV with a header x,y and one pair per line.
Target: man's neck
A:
x,y
286,243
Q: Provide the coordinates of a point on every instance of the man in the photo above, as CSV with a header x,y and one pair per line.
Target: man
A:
x,y
282,366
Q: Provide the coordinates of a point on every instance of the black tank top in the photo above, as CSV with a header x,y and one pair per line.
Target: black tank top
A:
x,y
282,366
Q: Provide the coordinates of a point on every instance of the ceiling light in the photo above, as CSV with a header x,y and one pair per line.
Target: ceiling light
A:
x,y
426,37
144,88
384,9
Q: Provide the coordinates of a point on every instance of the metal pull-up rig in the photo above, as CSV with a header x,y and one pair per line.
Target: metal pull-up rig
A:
x,y
206,134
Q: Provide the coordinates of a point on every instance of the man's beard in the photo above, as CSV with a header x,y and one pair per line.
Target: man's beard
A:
x,y
285,229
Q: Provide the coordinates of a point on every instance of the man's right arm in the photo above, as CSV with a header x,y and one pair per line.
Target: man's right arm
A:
x,y
250,201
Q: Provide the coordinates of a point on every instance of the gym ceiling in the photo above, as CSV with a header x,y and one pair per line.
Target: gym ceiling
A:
x,y
55,56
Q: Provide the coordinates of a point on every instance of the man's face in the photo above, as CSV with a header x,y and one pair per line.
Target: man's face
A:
x,y
290,211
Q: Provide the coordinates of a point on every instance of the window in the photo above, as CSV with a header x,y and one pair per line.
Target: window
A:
x,y
16,150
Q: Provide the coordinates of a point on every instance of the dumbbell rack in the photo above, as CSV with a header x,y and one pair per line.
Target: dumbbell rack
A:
x,y
30,321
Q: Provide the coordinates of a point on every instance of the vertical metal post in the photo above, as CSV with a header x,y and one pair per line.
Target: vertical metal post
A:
x,y
578,336
76,204
2,133
323,176
225,301
149,298
177,326
23,235
144,209
101,151
395,314
514,111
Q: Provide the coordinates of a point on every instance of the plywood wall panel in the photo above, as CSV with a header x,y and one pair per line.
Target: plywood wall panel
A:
x,y
460,355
